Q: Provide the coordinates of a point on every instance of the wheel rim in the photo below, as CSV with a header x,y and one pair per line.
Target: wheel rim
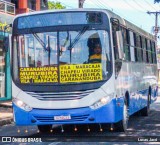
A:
x,y
125,116
148,103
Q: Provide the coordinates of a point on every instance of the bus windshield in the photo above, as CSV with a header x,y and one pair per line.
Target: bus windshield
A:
x,y
63,56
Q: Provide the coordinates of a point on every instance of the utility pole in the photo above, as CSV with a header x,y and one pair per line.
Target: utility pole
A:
x,y
156,28
81,2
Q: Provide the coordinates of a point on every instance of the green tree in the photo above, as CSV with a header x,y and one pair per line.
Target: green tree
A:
x,y
55,5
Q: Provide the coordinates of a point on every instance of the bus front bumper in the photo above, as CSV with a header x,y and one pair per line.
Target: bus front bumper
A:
x,y
109,113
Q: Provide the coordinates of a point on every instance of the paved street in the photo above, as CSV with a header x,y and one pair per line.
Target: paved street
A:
x,y
138,127
6,115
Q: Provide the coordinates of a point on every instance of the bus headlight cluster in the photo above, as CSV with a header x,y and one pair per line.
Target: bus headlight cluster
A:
x,y
21,104
101,102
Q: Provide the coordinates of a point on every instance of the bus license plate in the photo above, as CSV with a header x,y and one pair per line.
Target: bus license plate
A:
x,y
62,117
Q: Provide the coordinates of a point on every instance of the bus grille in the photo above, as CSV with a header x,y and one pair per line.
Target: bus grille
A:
x,y
60,96
51,118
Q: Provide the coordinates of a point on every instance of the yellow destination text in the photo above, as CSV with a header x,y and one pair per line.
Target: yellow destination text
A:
x,y
80,73
38,75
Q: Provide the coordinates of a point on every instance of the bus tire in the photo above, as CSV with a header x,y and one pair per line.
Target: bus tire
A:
x,y
145,111
44,128
122,125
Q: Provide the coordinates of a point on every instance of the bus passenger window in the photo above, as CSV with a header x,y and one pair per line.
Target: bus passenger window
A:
x,y
132,45
115,45
118,62
126,44
144,49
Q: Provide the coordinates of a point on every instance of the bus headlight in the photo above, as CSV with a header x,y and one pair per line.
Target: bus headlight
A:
x,y
22,105
101,102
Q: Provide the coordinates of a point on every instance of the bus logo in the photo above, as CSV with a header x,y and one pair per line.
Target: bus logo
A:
x,y
6,139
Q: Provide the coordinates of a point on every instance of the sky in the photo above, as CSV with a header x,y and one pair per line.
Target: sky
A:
x,y
134,11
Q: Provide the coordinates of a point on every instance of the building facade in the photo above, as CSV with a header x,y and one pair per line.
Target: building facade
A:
x,y
25,6
8,10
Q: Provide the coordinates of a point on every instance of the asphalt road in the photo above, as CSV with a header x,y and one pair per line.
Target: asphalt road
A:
x,y
140,129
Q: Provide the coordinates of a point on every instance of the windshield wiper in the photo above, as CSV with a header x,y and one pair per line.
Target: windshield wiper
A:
x,y
67,38
44,45
65,43
73,43
76,39
37,37
40,41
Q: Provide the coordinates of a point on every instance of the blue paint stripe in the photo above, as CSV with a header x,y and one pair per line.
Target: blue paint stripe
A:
x,y
109,113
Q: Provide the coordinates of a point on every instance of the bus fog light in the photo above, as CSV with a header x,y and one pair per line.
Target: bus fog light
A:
x,y
100,102
22,105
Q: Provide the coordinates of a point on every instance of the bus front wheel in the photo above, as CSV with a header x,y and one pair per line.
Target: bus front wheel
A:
x,y
44,128
123,124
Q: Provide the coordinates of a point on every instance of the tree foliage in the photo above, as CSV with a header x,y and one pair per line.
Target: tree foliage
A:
x,y
55,5
156,1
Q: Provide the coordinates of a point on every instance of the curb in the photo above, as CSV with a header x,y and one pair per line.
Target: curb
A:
x,y
5,106
6,121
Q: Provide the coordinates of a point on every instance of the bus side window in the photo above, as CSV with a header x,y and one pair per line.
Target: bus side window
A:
x,y
118,41
144,49
135,48
138,48
116,33
114,38
126,44
153,52
132,45
149,57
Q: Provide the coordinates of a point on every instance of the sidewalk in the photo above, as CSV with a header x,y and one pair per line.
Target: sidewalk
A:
x,y
6,115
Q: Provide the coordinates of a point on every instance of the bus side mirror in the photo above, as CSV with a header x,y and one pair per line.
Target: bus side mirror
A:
x,y
119,38
5,44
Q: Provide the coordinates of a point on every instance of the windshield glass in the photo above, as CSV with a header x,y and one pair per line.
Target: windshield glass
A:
x,y
64,57
57,19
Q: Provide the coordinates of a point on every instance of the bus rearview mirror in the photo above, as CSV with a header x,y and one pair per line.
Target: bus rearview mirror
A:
x,y
119,38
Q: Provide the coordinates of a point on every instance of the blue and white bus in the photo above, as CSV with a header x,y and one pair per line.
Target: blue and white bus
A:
x,y
55,81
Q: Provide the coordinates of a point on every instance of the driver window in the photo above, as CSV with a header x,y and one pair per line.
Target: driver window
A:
x,y
115,43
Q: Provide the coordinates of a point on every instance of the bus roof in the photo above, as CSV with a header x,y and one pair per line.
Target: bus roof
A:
x,y
110,14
